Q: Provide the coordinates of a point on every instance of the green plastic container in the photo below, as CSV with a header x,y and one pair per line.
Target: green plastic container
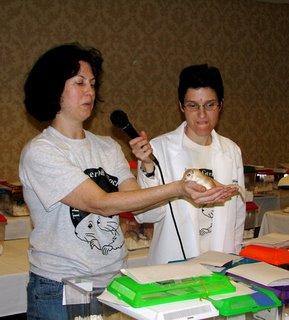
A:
x,y
143,295
262,299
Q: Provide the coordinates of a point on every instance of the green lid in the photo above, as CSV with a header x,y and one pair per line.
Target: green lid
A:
x,y
261,299
142,295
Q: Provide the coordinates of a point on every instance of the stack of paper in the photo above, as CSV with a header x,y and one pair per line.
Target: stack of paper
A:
x,y
261,273
272,240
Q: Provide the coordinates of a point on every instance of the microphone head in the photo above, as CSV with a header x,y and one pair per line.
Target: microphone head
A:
x,y
119,118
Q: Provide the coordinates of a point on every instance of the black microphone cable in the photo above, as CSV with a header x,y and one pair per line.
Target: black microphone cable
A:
x,y
120,119
172,214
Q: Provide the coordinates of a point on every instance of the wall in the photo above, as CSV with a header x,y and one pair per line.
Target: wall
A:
x,y
145,44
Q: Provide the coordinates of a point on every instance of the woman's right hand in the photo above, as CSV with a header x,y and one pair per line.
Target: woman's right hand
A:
x,y
142,150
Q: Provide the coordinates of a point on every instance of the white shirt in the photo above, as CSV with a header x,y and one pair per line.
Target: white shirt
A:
x,y
229,218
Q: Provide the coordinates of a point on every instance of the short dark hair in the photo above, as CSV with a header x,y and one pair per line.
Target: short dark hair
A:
x,y
200,76
45,82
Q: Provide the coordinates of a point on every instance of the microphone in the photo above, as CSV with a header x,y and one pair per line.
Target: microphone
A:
x,y
120,120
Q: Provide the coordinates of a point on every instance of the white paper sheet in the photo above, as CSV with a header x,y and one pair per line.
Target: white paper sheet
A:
x,y
215,258
165,272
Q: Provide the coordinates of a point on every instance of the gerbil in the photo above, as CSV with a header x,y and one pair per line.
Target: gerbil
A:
x,y
197,176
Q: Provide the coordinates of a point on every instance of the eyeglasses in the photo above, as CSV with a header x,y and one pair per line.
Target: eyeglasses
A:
x,y
208,106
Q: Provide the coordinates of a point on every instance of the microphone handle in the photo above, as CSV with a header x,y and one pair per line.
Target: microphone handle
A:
x,y
132,133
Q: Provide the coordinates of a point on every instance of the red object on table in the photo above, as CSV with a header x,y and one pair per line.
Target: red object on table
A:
x,y
250,206
2,219
275,256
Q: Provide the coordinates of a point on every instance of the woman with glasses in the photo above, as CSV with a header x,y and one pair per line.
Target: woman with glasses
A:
x,y
183,229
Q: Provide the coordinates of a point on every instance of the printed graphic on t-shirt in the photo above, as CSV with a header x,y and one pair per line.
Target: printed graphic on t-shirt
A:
x,y
207,213
100,233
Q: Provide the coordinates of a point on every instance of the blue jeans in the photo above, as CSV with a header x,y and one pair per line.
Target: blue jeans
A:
x,y
45,299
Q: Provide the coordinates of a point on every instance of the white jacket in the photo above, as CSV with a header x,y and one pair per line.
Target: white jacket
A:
x,y
228,220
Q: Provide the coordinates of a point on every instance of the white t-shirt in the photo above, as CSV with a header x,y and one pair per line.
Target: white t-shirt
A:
x,y
202,159
65,241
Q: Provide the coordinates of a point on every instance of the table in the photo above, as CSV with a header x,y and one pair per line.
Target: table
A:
x,y
275,221
17,227
14,274
276,200
14,268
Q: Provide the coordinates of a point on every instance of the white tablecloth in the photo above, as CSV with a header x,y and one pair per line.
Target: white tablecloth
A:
x,y
17,227
275,221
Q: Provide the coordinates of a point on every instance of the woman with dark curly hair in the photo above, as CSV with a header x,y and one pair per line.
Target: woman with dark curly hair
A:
x,y
75,183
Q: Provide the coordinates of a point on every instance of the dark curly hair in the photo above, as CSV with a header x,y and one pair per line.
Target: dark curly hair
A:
x,y
45,82
200,76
